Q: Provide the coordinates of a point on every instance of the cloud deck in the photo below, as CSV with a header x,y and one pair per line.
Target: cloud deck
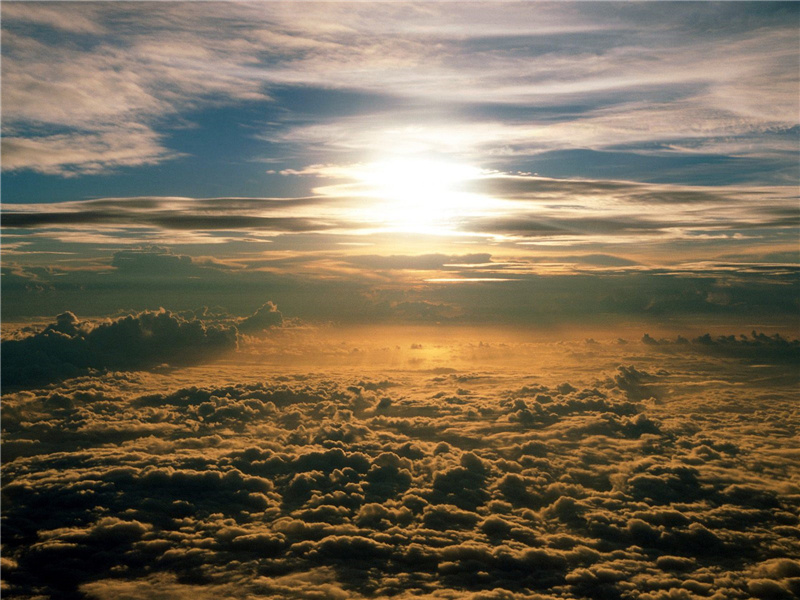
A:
x,y
671,478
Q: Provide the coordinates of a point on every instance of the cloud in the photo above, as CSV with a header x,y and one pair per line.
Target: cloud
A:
x,y
421,262
461,288
265,317
117,88
495,89
601,260
55,18
404,462
298,485
600,210
755,347
154,260
70,347
171,214
517,219
75,154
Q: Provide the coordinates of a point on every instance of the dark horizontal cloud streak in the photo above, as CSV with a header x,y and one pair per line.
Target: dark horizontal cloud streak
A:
x,y
169,213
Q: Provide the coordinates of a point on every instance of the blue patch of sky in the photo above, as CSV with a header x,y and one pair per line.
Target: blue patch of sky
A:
x,y
318,103
52,36
692,18
549,44
558,108
224,152
688,169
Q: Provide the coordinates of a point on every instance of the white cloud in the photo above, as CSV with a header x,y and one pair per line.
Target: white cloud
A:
x,y
74,21
73,154
724,91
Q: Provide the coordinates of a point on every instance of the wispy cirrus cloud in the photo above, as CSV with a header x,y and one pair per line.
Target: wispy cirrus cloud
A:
x,y
73,154
612,77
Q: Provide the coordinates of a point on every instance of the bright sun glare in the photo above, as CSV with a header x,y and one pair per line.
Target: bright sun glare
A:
x,y
419,195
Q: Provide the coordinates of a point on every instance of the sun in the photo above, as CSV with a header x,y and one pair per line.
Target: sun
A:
x,y
402,194
418,195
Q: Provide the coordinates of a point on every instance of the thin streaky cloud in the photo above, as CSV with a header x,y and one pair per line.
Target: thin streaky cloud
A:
x,y
528,55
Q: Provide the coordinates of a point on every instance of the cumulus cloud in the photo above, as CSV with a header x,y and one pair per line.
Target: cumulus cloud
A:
x,y
265,317
69,347
756,346
303,485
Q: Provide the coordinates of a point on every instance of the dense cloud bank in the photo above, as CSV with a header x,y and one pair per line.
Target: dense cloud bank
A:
x,y
370,289
757,345
649,482
70,347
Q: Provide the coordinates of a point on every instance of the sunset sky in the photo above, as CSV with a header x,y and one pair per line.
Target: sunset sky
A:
x,y
420,301
503,162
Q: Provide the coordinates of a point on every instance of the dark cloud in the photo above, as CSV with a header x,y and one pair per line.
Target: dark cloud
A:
x,y
601,260
69,347
538,225
169,213
755,347
569,206
150,277
265,317
180,220
156,261
375,288
545,190
423,311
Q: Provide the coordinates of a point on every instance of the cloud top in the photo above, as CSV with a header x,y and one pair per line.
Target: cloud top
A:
x,y
638,479
69,346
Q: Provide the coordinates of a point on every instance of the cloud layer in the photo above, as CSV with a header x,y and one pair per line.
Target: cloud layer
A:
x,y
670,477
527,223
349,286
466,181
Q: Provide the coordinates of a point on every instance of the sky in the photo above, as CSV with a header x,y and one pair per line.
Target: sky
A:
x,y
411,301
515,163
